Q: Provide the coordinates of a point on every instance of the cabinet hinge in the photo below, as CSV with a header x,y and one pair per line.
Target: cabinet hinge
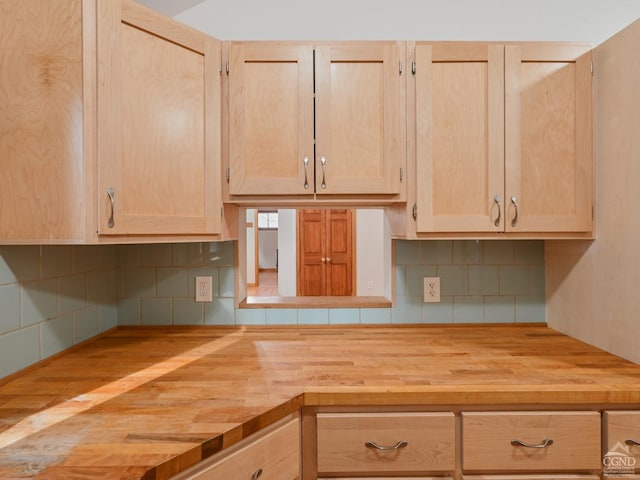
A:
x,y
414,211
228,174
400,67
413,67
401,175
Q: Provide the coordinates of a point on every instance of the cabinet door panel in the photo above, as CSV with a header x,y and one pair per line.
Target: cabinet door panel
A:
x,y
549,163
271,119
158,107
358,119
41,121
459,120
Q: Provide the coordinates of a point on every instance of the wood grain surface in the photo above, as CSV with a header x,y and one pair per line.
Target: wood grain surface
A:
x,y
145,403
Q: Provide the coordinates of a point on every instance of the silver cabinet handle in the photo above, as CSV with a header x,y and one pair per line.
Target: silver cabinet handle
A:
x,y
497,200
514,200
323,259
323,162
306,171
397,446
256,475
545,443
111,192
328,259
631,441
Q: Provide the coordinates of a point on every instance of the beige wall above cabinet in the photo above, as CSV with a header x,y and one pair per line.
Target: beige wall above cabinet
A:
x,y
144,123
307,121
503,140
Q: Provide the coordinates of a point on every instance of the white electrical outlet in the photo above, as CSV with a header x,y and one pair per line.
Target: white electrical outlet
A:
x,y
203,289
431,289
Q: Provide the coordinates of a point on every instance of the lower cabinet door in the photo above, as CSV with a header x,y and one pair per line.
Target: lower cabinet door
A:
x,y
387,478
532,442
549,476
622,445
271,455
396,444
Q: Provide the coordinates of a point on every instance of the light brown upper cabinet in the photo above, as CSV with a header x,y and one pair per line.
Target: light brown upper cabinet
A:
x,y
503,138
42,114
307,121
110,115
159,96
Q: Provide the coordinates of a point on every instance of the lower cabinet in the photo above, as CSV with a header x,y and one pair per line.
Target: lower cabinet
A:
x,y
271,454
621,453
531,441
395,444
460,445
531,477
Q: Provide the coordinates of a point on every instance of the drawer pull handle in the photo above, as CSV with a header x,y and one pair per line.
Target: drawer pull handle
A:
x,y
631,441
257,474
545,443
397,446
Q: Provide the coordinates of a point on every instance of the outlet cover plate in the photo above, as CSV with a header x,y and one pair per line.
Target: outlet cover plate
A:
x,y
204,291
431,289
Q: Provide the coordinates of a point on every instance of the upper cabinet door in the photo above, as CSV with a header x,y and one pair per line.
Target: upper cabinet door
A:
x,y
460,137
549,159
360,145
271,120
159,124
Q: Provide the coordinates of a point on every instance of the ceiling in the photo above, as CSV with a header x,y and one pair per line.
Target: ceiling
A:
x,y
170,7
591,21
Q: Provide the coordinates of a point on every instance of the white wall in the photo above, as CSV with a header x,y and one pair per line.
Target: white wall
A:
x,y
568,20
287,247
370,251
251,248
267,246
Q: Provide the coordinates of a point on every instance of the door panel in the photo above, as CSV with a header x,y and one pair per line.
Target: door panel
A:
x,y
159,116
311,248
271,119
549,164
358,118
460,134
325,252
339,253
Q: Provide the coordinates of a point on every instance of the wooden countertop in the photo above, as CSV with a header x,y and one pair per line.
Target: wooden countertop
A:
x,y
145,403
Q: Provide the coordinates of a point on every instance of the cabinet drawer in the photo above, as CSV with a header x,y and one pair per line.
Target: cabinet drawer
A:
x,y
622,433
548,476
487,441
276,452
388,478
345,442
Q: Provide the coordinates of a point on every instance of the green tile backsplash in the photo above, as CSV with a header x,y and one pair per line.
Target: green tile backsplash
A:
x,y
53,297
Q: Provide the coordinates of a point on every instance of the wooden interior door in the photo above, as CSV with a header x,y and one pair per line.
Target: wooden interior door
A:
x,y
460,137
339,252
270,119
549,146
359,118
325,252
159,124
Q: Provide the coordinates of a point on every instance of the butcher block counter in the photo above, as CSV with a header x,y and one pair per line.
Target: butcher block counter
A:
x,y
146,403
